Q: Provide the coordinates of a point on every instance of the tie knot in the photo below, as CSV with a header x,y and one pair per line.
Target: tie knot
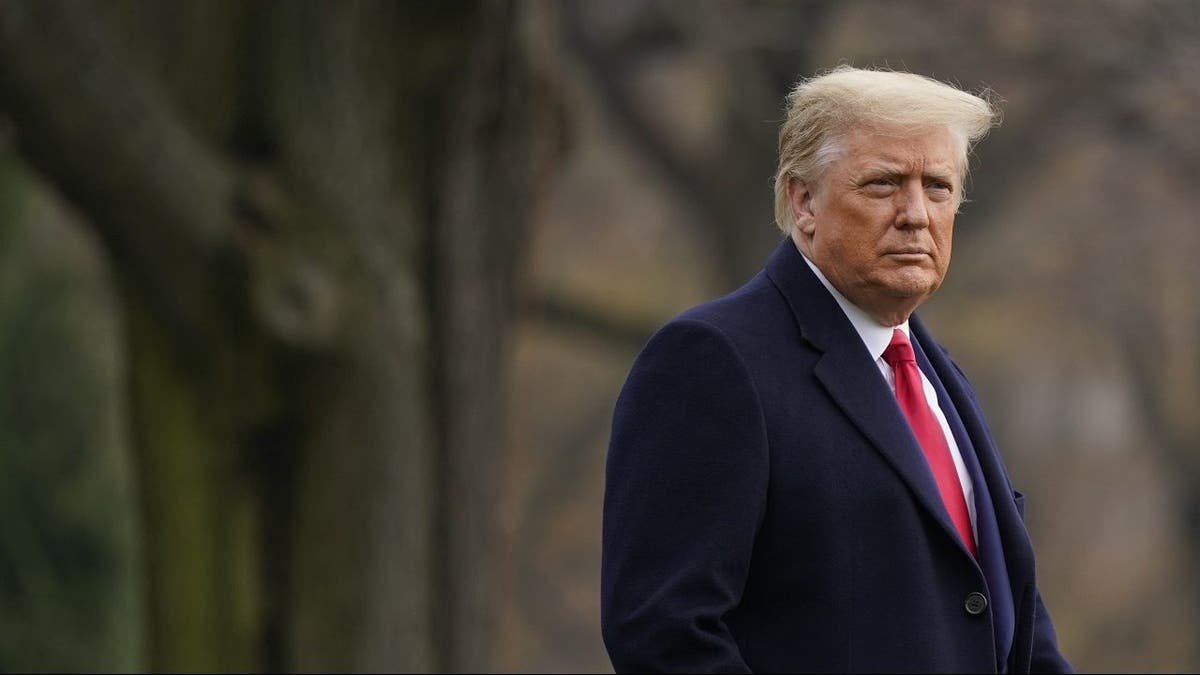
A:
x,y
900,350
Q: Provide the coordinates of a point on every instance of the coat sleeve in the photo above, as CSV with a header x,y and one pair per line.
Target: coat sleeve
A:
x,y
685,490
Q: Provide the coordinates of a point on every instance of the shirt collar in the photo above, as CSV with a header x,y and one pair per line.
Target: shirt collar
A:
x,y
875,336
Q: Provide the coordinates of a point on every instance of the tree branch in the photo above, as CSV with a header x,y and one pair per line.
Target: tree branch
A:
x,y
570,314
100,131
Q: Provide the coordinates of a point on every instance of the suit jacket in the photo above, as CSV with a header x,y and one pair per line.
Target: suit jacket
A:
x,y
768,509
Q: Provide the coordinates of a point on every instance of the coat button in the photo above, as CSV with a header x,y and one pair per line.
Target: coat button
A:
x,y
976,603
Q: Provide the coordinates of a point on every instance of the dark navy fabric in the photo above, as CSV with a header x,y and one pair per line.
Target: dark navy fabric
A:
x,y
767,509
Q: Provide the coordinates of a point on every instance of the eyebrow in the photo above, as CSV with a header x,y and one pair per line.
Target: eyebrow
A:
x,y
939,172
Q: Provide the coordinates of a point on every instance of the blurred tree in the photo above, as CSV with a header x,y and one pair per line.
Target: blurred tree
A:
x,y
68,564
713,178
313,212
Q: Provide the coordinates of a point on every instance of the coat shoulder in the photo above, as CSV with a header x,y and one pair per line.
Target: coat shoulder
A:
x,y
744,313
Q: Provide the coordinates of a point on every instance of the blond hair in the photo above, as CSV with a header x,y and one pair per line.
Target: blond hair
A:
x,y
822,109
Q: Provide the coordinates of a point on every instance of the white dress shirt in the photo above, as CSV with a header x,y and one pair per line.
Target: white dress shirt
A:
x,y
876,337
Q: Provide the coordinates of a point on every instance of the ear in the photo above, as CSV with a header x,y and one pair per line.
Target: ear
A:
x,y
800,197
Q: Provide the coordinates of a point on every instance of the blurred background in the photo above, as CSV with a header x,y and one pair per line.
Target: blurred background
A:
x,y
312,314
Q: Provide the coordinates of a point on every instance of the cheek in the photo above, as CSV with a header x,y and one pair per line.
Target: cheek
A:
x,y
848,246
944,235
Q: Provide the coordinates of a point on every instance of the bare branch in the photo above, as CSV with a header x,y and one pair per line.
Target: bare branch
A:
x,y
606,326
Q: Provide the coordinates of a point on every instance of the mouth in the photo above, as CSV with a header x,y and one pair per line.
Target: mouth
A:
x,y
908,254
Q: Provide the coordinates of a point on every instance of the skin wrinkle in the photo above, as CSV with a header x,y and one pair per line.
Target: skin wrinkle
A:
x,y
879,222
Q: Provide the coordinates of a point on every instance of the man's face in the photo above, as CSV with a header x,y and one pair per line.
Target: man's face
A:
x,y
878,224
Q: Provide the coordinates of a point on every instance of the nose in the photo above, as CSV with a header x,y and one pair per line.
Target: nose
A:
x,y
912,207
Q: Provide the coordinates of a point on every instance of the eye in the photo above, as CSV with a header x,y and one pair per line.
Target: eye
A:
x,y
940,189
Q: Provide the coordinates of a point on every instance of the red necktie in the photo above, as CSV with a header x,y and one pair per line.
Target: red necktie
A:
x,y
911,395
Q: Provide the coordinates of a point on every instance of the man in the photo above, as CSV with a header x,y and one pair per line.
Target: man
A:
x,y
799,477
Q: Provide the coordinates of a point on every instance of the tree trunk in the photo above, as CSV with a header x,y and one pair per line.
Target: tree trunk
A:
x,y
316,260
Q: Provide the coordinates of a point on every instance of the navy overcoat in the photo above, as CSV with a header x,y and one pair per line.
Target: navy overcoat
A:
x,y
767,509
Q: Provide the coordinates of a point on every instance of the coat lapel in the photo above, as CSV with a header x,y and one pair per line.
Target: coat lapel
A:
x,y
852,378
938,368
1014,539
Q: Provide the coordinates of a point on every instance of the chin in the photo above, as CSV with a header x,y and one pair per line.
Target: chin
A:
x,y
910,283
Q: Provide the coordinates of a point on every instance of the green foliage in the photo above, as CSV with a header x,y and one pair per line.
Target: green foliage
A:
x,y
68,594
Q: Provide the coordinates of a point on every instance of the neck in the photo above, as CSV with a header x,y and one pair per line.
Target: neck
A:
x,y
890,316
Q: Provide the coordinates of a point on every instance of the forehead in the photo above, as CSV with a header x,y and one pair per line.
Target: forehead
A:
x,y
926,150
